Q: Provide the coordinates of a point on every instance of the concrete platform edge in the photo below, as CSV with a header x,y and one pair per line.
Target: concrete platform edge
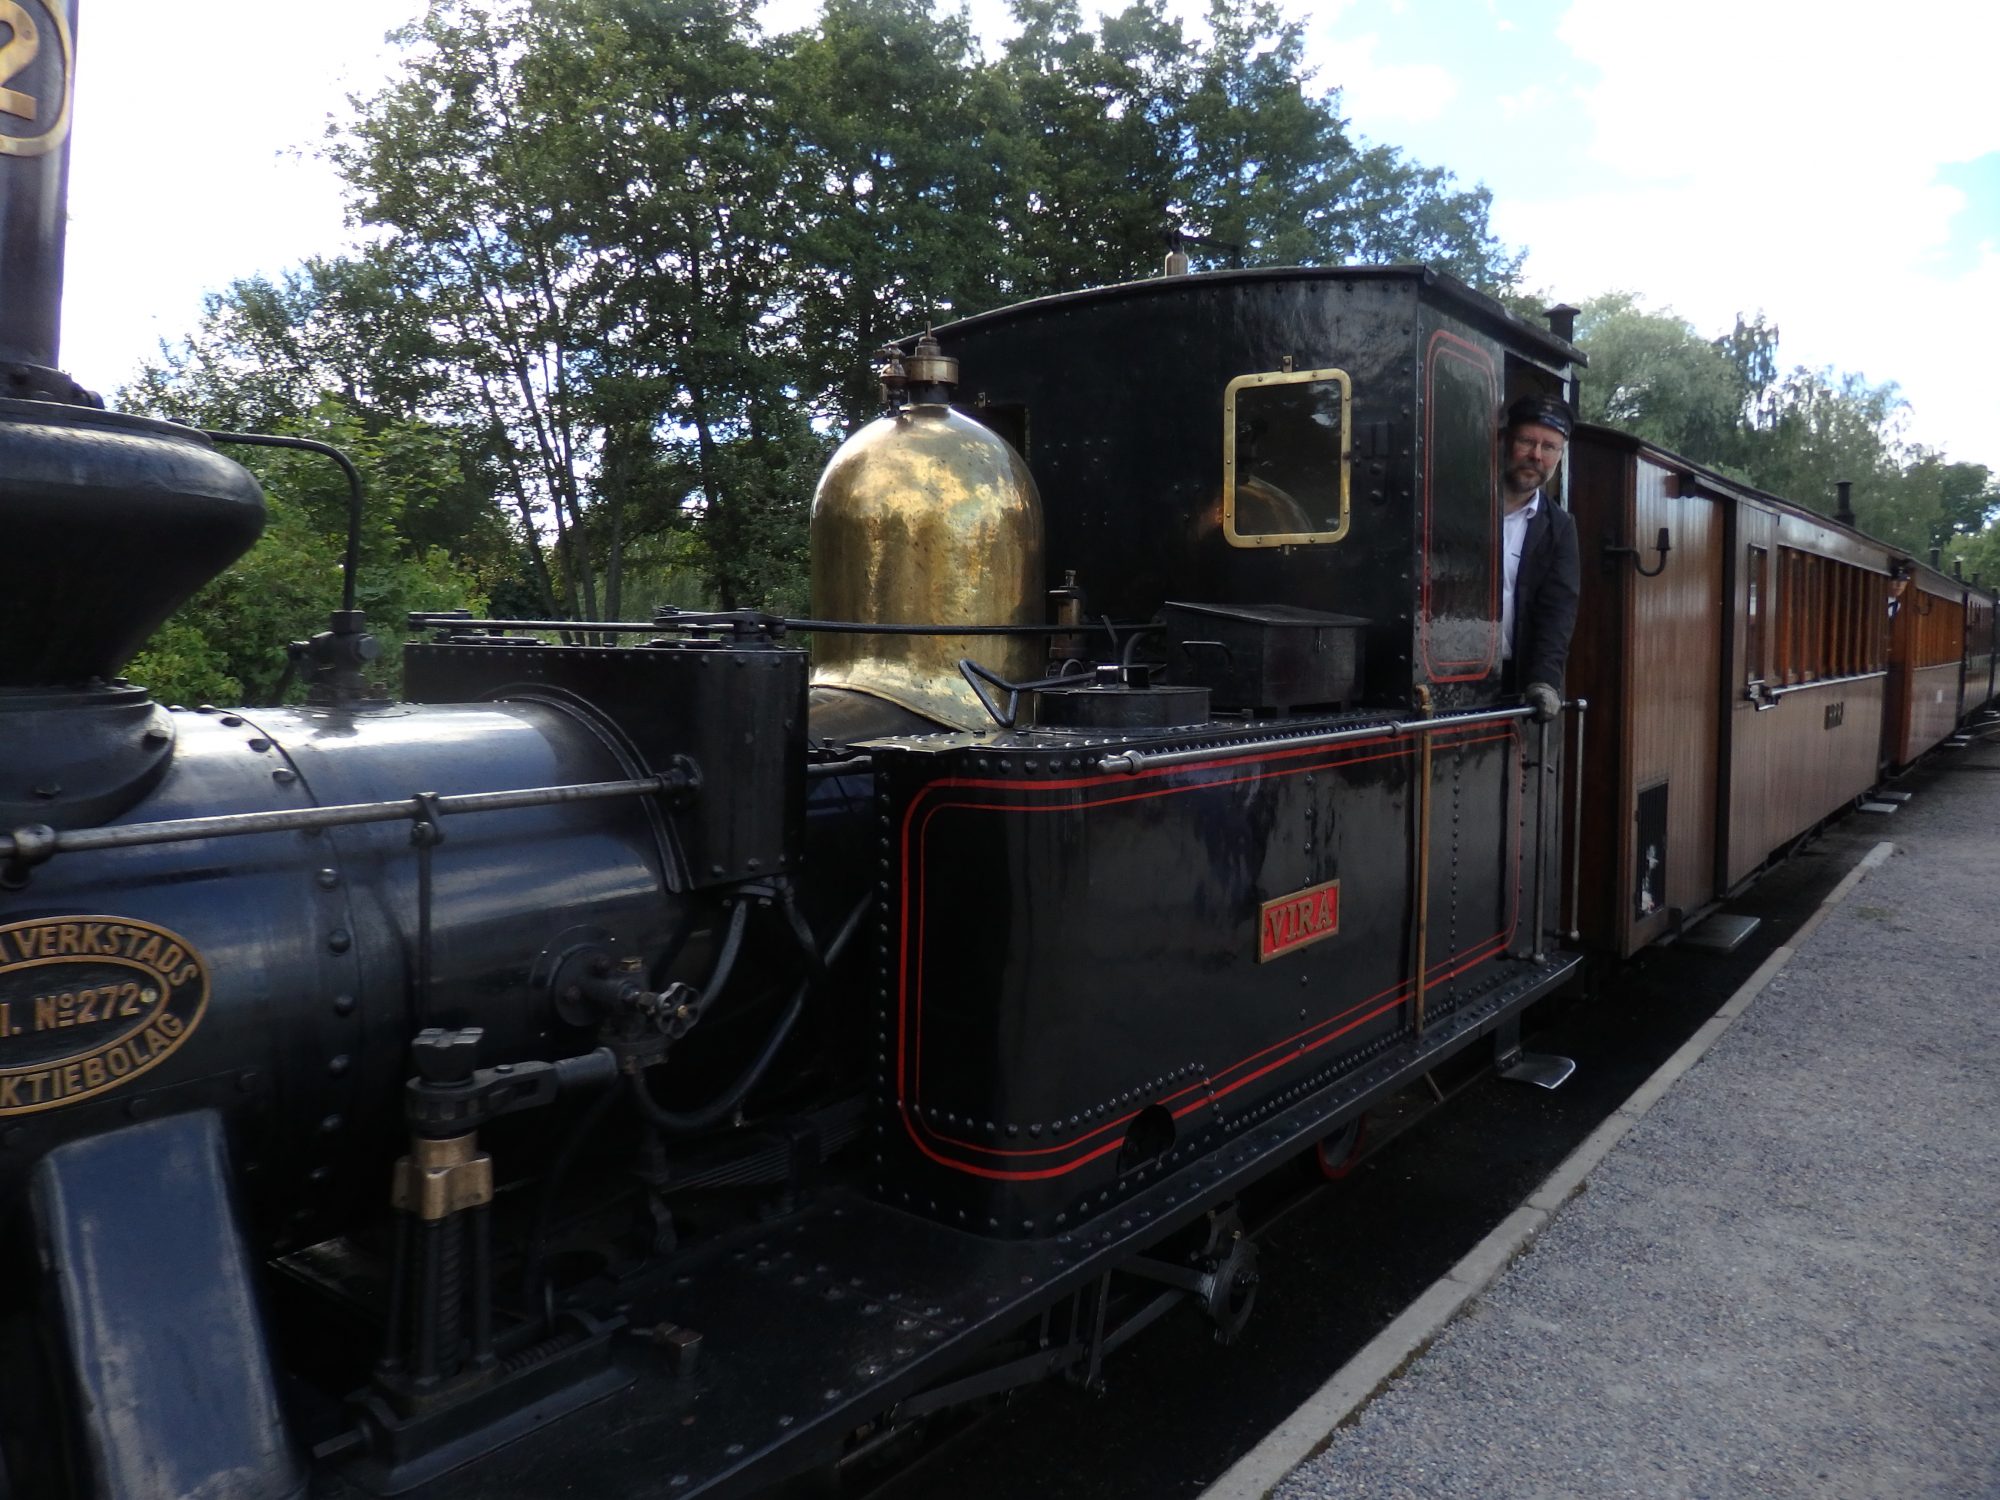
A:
x,y
1383,1360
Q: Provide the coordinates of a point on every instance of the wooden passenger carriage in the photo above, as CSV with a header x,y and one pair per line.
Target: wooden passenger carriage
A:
x,y
1739,682
1929,656
1980,657
1745,683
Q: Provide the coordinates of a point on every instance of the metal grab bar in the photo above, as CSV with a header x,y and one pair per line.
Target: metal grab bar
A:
x,y
37,842
1134,761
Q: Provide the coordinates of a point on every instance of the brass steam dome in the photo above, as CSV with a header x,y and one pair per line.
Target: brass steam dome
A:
x,y
926,517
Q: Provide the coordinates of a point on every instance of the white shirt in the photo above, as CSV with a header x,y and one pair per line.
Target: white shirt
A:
x,y
1514,532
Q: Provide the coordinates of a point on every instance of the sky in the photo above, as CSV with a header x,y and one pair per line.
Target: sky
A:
x,y
1833,165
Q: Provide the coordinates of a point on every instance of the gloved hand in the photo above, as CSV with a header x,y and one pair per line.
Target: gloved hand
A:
x,y
1544,700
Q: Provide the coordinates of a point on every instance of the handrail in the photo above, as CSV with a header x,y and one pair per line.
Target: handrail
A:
x,y
1134,761
37,842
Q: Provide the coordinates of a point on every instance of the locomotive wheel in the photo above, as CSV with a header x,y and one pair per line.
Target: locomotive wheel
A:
x,y
1229,1277
1340,1153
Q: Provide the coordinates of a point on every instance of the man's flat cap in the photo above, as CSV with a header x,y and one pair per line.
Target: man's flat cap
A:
x,y
1544,411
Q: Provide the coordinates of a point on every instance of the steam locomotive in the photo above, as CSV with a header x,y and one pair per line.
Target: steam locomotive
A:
x,y
659,1060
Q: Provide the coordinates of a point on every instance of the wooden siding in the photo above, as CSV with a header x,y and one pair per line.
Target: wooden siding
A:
x,y
1925,670
1978,681
1646,655
1817,745
1933,709
1674,729
1978,652
1790,767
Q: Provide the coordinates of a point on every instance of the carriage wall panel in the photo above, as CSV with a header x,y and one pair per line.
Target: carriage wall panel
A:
x,y
1676,654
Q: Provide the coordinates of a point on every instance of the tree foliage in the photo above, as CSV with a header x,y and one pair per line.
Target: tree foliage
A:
x,y
1724,402
632,258
227,644
622,264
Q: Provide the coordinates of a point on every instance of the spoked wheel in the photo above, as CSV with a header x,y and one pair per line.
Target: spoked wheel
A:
x,y
1339,1153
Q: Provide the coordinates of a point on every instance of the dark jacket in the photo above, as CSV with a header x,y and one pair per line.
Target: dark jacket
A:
x,y
1545,593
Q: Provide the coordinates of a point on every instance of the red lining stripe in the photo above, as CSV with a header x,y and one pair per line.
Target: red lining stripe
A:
x,y
909,1062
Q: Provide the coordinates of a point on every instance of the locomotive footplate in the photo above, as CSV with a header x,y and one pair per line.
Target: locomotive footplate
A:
x,y
812,1329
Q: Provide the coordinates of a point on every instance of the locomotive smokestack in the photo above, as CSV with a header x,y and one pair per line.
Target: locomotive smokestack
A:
x,y
1843,511
34,185
111,521
1562,321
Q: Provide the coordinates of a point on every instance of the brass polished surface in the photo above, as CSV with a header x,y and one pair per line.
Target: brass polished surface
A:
x,y
442,1177
1258,513
23,43
926,364
927,518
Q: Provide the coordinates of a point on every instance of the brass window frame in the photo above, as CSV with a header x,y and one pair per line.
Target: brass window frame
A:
x,y
1284,538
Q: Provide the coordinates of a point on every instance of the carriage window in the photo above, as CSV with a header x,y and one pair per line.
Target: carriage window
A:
x,y
1827,618
1753,633
1285,454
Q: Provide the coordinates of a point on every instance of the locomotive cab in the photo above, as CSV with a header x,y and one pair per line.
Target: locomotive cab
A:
x,y
1317,440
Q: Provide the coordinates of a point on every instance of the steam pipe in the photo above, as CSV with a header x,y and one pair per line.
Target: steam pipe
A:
x,y
1576,827
694,620
718,1109
1134,761
352,561
1541,839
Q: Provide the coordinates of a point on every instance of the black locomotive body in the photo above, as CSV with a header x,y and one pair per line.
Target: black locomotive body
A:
x,y
649,1063
1119,952
1108,964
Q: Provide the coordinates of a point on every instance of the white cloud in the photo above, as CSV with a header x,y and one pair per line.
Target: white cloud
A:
x,y
183,172
1835,88
1783,155
1531,100
1390,93
1712,252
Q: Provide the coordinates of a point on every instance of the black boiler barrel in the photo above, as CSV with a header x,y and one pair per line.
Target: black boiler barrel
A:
x,y
274,977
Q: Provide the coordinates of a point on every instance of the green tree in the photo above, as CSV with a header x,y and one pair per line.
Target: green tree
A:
x,y
269,357
1818,427
1121,135
1272,167
1651,374
1965,496
891,188
1089,132
693,328
633,257
227,644
459,167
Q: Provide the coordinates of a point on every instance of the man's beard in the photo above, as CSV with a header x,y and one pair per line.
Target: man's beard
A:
x,y
1525,479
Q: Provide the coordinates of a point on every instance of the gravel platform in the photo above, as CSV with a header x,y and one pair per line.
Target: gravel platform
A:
x,y
1785,1278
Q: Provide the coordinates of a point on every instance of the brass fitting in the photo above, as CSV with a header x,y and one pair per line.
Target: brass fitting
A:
x,y
439,1178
